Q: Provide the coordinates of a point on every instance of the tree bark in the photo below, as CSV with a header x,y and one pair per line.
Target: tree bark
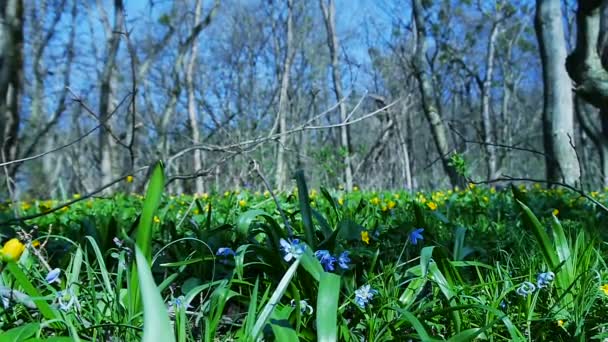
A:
x,y
558,123
584,64
192,112
105,95
486,91
429,101
11,78
281,174
329,12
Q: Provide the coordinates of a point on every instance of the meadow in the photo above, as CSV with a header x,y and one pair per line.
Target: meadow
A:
x,y
517,263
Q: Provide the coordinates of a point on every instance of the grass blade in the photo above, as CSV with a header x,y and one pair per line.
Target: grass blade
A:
x,y
327,307
157,326
144,231
309,230
274,299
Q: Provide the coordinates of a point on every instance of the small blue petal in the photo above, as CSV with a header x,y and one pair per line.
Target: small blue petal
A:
x,y
53,276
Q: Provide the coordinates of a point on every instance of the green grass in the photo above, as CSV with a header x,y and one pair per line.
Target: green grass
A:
x,y
459,283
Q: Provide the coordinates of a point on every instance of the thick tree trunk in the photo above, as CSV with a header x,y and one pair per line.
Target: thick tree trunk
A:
x,y
192,112
281,175
329,12
558,123
429,101
11,78
584,64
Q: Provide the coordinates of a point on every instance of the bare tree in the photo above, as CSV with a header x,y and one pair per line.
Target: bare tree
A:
x,y
105,93
11,77
329,13
558,122
281,174
429,101
192,110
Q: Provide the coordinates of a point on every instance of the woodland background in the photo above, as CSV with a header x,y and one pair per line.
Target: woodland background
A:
x,y
376,94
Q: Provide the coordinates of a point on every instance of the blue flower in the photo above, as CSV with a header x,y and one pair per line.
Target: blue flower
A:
x,y
544,279
53,276
525,288
304,306
503,305
326,259
364,295
343,260
416,235
292,250
176,304
224,251
67,299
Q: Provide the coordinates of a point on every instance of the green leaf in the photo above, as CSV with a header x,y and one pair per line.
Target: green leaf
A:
x,y
327,307
31,291
157,326
279,322
274,299
145,232
305,210
532,223
20,333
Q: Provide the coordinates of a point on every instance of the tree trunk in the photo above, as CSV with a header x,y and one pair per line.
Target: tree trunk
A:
x,y
429,102
105,95
11,78
558,123
486,91
281,175
192,112
333,43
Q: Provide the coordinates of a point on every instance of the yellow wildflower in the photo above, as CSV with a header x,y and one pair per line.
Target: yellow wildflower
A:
x,y
375,200
64,209
471,186
89,204
242,203
12,249
341,201
195,211
555,212
560,323
35,243
76,196
341,187
391,204
594,194
492,190
384,208
456,188
605,289
25,206
266,193
156,219
129,179
396,196
313,194
432,205
205,196
227,193
355,188
365,236
486,199
422,199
